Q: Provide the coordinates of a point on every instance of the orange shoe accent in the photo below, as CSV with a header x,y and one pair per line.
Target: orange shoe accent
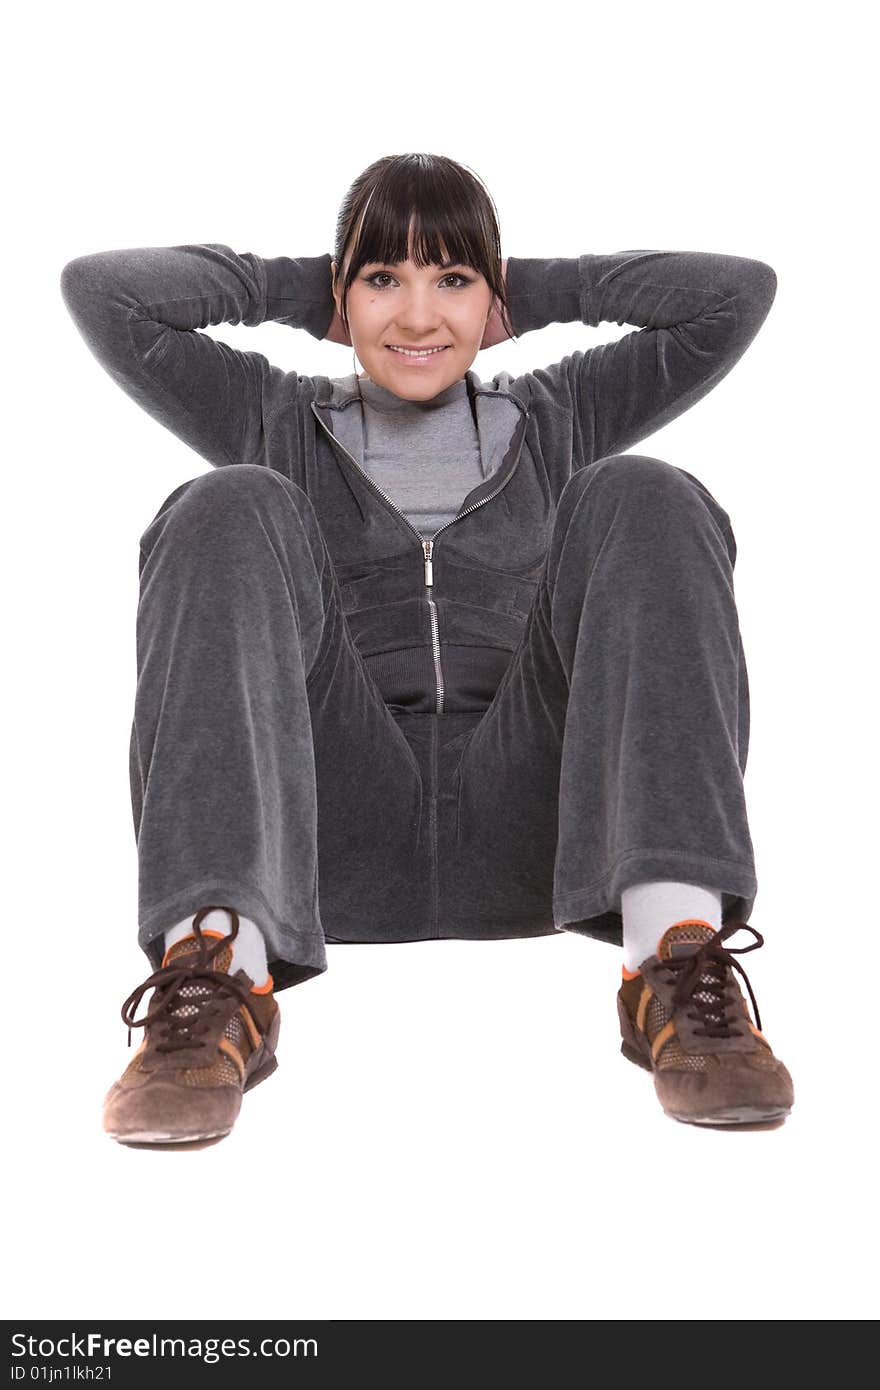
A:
x,y
232,1051
264,988
645,998
250,1027
629,974
191,936
666,1032
692,921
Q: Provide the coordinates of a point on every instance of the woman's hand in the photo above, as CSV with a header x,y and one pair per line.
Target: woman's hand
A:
x,y
495,330
337,332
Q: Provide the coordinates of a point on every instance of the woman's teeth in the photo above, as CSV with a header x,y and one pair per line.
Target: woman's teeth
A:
x,y
409,352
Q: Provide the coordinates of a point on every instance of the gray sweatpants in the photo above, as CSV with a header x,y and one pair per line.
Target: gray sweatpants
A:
x,y
268,773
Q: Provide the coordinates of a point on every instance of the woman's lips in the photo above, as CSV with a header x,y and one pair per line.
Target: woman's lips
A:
x,y
420,358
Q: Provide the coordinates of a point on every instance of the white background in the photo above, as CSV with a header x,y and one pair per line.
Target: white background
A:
x,y
452,1131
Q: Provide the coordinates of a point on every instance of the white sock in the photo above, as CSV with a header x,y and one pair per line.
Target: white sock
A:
x,y
649,908
248,948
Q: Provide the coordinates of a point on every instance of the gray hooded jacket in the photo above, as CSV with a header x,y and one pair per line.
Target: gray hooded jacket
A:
x,y
435,620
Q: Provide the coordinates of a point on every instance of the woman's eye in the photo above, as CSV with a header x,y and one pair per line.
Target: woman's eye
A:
x,y
386,275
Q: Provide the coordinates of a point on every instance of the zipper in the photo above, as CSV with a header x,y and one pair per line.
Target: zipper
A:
x,y
426,545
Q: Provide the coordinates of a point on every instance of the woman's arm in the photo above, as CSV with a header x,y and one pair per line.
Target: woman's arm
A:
x,y
697,311
139,312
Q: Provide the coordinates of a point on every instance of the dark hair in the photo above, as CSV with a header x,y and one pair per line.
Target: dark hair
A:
x,y
453,218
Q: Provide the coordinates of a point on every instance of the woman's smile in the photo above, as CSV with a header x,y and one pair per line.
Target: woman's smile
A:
x,y
415,357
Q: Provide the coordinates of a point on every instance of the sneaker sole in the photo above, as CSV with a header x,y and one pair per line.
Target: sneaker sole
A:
x,y
730,1115
157,1137
735,1115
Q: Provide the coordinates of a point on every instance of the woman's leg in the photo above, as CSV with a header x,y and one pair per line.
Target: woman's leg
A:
x,y
266,772
614,749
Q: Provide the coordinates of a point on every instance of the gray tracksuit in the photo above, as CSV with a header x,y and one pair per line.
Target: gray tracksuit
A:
x,y
446,631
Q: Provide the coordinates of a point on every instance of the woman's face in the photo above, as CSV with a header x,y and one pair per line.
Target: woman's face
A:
x,y
405,306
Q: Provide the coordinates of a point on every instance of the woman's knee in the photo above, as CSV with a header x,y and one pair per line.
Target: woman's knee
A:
x,y
631,471
227,501
230,493
237,484
646,482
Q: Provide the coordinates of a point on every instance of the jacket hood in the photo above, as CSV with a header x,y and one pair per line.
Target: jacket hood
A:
x,y
497,410
338,392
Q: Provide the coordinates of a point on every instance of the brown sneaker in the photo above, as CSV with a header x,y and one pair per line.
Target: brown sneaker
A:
x,y
683,1017
210,1036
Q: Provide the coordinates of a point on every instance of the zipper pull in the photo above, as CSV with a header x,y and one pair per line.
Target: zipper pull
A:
x,y
429,570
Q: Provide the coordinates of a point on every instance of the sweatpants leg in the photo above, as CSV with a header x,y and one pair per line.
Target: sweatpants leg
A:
x,y
267,773
615,746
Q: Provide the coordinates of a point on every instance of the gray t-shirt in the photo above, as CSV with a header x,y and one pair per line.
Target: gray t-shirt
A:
x,y
424,455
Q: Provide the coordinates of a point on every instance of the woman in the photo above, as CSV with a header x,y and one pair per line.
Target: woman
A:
x,y
436,643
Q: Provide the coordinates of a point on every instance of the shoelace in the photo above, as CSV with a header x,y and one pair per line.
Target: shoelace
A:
x,y
702,979
180,1032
